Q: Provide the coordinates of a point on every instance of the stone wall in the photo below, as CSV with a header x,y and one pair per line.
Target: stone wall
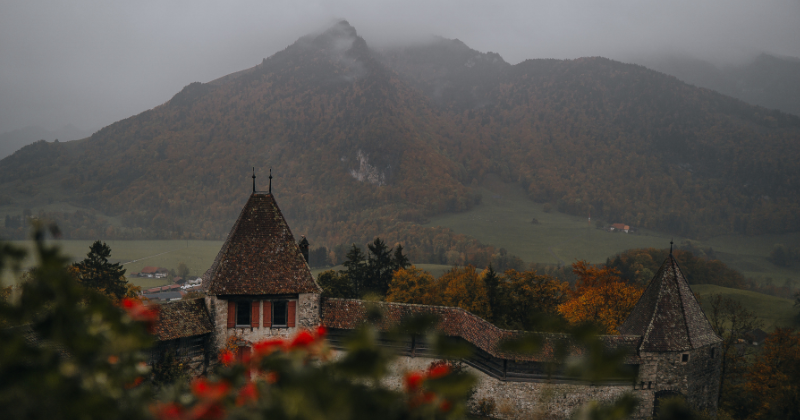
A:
x,y
697,379
705,370
526,400
308,310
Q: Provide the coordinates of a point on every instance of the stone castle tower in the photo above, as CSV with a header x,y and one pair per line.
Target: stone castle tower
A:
x,y
260,285
680,352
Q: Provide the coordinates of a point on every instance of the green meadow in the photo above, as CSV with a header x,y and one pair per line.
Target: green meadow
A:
x,y
503,219
135,255
774,312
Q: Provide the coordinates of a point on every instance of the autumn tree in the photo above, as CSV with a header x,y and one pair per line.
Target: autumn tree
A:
x,y
773,381
731,321
412,285
95,272
599,296
527,297
463,288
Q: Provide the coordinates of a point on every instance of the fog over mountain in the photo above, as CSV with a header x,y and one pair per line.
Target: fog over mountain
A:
x,y
90,63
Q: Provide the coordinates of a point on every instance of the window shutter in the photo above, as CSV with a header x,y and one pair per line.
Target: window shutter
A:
x,y
267,314
292,306
231,314
254,317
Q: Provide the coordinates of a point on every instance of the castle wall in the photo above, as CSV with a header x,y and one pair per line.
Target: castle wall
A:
x,y
526,400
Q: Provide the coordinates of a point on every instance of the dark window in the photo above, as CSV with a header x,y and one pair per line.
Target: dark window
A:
x,y
713,352
685,357
650,385
279,313
243,312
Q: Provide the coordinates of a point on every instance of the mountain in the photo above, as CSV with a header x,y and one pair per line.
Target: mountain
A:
x,y
766,80
12,141
365,143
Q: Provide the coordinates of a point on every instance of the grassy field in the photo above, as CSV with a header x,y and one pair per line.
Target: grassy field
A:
x,y
773,311
436,270
503,219
135,255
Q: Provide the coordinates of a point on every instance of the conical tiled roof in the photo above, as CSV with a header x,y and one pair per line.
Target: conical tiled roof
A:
x,y
668,316
260,256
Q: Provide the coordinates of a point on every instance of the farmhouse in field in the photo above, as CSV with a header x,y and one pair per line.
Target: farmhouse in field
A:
x,y
154,272
260,286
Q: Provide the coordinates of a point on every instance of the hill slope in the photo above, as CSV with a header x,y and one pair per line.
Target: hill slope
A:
x,y
366,143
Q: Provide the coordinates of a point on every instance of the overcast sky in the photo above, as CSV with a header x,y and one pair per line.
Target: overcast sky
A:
x,y
90,63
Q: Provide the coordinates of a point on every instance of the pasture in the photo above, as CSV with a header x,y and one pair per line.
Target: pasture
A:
x,y
503,219
773,311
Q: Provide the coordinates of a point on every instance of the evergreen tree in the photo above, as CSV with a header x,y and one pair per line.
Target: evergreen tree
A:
x,y
400,260
380,267
95,272
492,281
356,269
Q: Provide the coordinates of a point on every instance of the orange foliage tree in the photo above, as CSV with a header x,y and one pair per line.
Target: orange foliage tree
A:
x,y
600,295
459,287
773,381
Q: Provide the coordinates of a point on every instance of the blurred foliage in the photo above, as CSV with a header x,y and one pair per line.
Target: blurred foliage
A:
x,y
67,352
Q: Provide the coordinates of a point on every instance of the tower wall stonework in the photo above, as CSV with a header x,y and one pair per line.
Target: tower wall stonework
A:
x,y
697,380
308,317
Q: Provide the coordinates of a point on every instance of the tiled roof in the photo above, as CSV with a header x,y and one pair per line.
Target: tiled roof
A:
x,y
149,270
260,255
453,322
183,318
668,316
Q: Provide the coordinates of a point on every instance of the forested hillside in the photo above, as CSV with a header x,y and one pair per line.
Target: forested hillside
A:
x,y
366,144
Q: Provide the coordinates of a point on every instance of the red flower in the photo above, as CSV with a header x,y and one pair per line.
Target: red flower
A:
x,y
135,383
428,397
265,347
207,390
445,406
169,411
439,371
139,312
226,357
206,411
413,380
302,339
248,393
321,331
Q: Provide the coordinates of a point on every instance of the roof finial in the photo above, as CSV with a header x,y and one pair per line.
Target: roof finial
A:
x,y
270,180
670,247
254,179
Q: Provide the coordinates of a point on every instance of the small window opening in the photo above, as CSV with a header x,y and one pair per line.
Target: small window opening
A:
x,y
685,357
650,385
713,352
641,385
280,313
243,313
